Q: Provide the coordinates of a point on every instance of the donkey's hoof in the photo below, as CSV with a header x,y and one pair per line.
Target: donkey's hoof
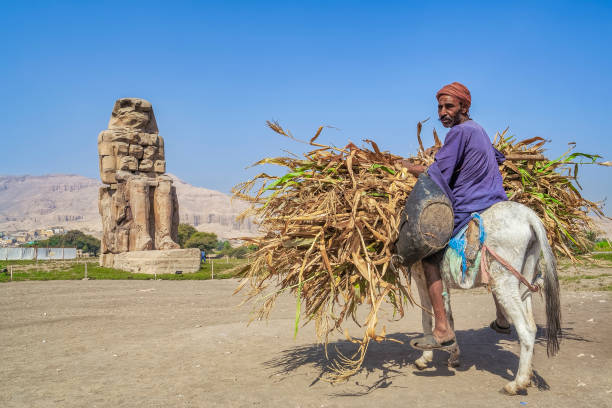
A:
x,y
512,388
421,363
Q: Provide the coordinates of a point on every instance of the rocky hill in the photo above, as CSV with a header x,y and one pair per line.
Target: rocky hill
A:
x,y
71,201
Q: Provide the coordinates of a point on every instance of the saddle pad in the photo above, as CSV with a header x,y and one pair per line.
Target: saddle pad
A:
x,y
454,259
452,262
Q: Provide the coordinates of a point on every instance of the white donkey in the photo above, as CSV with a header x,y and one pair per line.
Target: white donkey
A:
x,y
515,236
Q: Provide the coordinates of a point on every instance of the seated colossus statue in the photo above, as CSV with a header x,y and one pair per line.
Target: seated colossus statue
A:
x,y
138,203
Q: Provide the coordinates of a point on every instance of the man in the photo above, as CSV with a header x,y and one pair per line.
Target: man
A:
x,y
466,169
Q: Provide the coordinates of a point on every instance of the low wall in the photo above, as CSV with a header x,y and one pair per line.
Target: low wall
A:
x,y
156,261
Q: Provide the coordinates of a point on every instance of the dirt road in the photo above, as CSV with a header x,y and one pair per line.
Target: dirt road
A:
x,y
186,344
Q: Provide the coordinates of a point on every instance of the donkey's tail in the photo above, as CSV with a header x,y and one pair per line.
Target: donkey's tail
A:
x,y
547,266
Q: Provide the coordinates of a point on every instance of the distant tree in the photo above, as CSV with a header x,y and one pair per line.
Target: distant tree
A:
x,y
223,245
206,241
73,239
185,231
238,252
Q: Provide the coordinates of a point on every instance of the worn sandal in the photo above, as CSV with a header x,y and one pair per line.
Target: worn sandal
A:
x,y
498,328
428,342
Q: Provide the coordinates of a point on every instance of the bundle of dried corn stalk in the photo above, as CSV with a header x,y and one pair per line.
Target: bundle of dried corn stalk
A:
x,y
550,188
330,221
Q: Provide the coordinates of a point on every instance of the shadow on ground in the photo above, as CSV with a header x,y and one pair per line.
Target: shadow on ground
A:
x,y
480,349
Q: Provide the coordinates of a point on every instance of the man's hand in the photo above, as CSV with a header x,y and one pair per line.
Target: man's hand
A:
x,y
414,169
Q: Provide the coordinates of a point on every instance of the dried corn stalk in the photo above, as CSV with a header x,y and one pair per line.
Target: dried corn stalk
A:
x,y
547,187
330,221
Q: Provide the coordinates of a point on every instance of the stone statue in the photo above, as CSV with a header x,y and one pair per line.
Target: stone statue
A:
x,y
138,205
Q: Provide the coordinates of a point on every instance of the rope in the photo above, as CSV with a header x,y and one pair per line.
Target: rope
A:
x,y
484,269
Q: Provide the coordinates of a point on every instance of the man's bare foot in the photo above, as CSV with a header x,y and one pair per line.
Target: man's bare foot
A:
x,y
443,336
430,342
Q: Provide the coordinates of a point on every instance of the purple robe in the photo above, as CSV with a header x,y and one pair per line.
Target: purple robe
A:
x,y
467,170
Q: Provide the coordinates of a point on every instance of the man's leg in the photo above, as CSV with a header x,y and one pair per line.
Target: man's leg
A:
x,y
138,193
442,331
163,209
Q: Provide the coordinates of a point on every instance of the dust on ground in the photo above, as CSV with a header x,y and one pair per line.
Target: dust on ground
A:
x,y
187,344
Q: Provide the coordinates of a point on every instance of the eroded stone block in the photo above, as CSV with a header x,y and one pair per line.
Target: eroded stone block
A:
x,y
148,139
127,163
120,148
159,166
108,177
150,152
145,165
107,163
136,151
105,149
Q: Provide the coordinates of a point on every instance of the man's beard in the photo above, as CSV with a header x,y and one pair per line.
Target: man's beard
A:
x,y
450,121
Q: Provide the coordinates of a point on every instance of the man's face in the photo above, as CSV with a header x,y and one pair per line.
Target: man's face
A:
x,y
450,111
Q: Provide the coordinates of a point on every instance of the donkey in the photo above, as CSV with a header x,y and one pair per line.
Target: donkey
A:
x,y
516,237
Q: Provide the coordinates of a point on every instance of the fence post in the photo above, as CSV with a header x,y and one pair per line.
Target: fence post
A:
x,y
212,268
85,278
11,268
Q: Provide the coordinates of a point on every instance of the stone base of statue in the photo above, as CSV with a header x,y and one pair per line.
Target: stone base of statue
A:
x,y
154,261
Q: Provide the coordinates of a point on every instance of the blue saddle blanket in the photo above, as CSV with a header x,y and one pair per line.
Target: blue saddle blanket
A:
x,y
455,260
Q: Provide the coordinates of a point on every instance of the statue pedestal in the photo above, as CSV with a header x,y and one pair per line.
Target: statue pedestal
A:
x,y
155,261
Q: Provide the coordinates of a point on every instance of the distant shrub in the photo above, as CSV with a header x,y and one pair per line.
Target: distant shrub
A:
x,y
205,241
185,231
73,238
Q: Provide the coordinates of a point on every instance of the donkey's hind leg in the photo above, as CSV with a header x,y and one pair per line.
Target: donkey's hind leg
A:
x,y
418,274
506,288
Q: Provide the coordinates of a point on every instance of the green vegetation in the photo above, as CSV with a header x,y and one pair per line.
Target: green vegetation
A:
x,y
240,252
205,241
29,270
73,238
603,257
223,246
189,237
578,278
603,245
185,231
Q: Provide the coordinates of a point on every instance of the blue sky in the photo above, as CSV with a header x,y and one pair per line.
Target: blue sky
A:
x,y
216,71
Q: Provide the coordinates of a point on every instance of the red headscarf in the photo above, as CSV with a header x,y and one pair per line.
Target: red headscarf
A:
x,y
457,90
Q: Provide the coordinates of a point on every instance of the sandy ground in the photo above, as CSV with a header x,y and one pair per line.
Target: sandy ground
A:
x,y
186,344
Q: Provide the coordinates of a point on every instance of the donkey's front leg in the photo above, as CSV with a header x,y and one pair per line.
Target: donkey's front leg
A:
x,y
418,275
